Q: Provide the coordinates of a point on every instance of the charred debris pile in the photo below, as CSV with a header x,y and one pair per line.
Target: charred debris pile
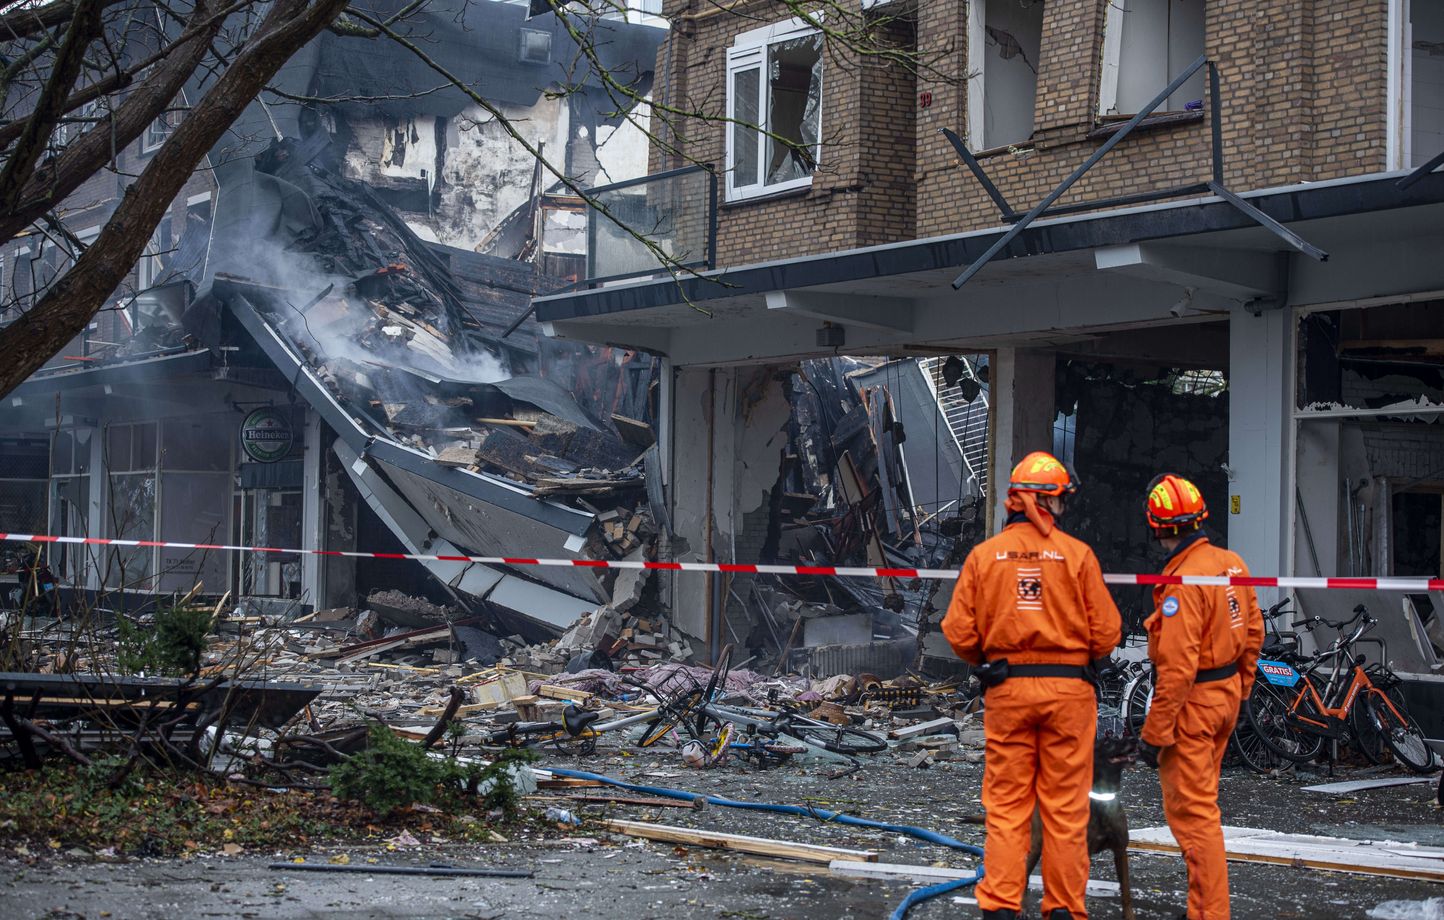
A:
x,y
407,338
398,339
845,496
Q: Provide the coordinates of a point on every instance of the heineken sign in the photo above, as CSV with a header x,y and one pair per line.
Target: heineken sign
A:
x,y
266,435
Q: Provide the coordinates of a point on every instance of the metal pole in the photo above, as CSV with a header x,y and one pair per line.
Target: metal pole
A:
x,y
1216,116
978,173
1097,155
1421,172
1268,223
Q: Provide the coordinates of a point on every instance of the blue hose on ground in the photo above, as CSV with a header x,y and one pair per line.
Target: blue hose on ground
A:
x,y
822,814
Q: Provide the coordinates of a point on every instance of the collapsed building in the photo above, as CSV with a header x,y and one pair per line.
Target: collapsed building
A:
x,y
328,347
302,358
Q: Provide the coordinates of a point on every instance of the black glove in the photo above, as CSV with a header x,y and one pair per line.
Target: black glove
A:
x,y
1148,754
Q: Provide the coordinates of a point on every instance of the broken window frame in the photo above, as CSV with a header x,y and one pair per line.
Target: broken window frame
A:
x,y
1401,151
1398,142
1112,72
752,52
1360,553
979,138
70,478
157,132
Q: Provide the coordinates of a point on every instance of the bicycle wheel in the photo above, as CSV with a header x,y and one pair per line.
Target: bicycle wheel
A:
x,y
1137,695
1400,732
1251,750
835,738
1367,739
1267,709
670,715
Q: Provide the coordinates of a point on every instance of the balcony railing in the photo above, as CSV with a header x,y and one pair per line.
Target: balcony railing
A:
x,y
652,224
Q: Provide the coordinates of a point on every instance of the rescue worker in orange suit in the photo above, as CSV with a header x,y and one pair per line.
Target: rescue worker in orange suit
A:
x,y
1204,641
1031,613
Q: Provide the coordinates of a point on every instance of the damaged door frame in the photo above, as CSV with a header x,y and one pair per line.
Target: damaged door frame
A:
x,y
1298,417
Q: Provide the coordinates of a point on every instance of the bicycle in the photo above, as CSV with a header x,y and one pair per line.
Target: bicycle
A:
x,y
767,732
575,733
1294,718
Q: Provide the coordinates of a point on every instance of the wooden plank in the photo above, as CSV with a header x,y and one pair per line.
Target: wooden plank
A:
x,y
555,692
567,782
1328,854
759,846
931,875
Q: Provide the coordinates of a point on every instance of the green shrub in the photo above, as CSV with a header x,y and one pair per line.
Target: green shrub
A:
x,y
393,773
172,646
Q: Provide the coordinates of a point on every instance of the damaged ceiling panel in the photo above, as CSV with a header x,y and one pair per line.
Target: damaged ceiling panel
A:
x,y
530,609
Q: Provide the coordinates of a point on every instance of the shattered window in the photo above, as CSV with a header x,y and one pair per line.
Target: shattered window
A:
x,y
130,454
775,103
1008,48
1146,43
131,513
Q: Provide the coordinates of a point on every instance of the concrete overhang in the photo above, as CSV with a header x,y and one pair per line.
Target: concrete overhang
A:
x,y
1063,280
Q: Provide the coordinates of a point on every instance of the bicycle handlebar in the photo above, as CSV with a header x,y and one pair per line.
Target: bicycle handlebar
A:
x,y
1313,622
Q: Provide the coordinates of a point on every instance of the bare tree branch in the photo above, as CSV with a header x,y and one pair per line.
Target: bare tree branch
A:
x,y
83,29
26,22
66,308
59,176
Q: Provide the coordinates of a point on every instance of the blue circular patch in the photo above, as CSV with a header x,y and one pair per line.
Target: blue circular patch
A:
x,y
1170,606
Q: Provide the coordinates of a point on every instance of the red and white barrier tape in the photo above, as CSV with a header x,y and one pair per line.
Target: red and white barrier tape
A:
x,y
825,571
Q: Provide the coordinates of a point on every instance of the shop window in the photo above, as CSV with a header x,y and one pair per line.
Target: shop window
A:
x,y
774,101
70,501
1005,38
24,475
1146,43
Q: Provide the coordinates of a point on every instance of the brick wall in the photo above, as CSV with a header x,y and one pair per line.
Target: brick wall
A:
x,y
1303,84
862,192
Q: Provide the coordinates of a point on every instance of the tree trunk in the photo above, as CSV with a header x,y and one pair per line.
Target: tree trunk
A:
x,y
67,307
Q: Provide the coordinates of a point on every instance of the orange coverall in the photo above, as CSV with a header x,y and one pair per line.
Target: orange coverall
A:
x,y
1195,628
1035,599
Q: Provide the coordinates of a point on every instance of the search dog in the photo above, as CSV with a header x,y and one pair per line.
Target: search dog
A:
x,y
1107,818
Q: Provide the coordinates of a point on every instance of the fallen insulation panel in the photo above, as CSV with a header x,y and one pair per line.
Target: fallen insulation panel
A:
x,y
1306,851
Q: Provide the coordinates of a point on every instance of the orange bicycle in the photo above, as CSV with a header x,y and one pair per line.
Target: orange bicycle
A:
x,y
1293,717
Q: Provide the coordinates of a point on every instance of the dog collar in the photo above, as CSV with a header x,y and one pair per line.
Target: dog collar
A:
x,y
1102,796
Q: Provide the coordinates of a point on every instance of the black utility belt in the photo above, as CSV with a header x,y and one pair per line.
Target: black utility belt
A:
x,y
993,673
1213,674
1049,670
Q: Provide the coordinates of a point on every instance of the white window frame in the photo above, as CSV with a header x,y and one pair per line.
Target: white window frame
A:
x,y
1399,140
977,85
22,255
147,267
151,139
977,49
748,52
1112,57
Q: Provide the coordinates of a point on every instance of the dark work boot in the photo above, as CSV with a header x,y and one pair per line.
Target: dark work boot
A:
x,y
1060,913
1003,914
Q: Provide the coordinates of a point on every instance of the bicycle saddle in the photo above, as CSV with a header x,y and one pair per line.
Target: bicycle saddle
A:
x,y
575,720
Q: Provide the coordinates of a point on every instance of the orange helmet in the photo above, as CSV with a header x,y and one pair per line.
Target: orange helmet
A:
x,y
1043,473
1174,506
